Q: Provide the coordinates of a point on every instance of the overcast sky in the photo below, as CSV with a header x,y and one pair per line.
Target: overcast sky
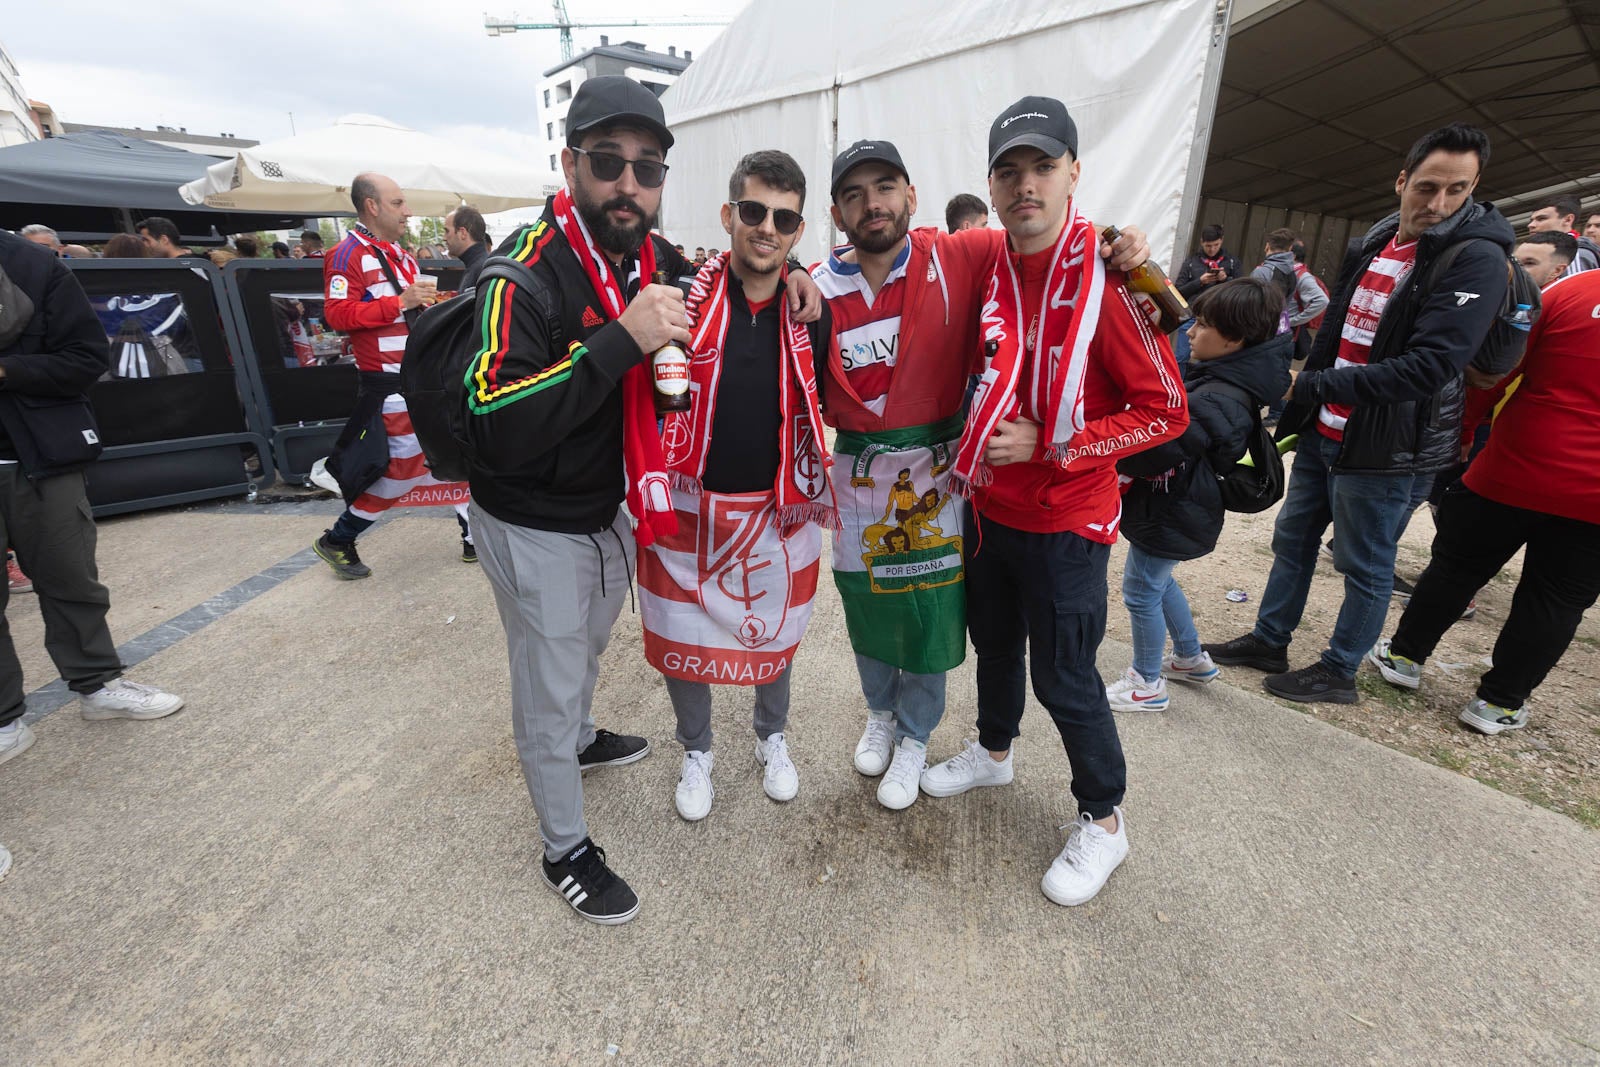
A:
x,y
241,68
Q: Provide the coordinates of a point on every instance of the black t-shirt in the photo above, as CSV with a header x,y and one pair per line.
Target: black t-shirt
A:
x,y
744,452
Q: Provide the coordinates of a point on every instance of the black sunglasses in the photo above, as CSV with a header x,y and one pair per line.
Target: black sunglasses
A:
x,y
608,168
754,213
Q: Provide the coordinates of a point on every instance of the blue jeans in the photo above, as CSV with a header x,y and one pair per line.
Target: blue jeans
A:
x,y
1365,510
916,701
1156,605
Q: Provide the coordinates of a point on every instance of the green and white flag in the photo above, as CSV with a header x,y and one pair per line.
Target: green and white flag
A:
x,y
897,555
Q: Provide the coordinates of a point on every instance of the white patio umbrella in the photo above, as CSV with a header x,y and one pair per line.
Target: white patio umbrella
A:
x,y
311,173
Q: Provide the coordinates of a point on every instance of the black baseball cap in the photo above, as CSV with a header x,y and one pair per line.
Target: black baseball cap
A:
x,y
1038,122
865,152
615,99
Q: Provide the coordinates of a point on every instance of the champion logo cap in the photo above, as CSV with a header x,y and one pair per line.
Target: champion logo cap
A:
x,y
1038,122
864,152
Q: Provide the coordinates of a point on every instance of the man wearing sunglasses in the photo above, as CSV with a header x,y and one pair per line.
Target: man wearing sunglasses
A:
x,y
905,307
726,597
560,427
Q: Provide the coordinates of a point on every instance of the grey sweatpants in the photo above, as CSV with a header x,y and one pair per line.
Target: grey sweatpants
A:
x,y
559,595
691,703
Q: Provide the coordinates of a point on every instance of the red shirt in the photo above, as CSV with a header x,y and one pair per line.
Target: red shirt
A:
x,y
1545,449
1133,398
360,302
866,325
1388,269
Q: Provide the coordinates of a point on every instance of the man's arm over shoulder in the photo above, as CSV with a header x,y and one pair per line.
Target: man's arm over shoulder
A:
x,y
72,351
1140,361
344,285
1449,328
528,388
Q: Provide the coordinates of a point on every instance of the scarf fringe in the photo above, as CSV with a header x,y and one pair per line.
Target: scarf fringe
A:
x,y
684,482
1057,453
963,487
821,514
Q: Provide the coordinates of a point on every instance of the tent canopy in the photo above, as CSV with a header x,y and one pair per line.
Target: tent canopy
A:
x,y
90,185
931,77
311,173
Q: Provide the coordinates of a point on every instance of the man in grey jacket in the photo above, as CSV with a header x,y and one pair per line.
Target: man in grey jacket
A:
x,y
1303,298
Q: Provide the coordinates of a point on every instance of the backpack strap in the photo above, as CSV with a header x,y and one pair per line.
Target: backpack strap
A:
x,y
509,269
1448,256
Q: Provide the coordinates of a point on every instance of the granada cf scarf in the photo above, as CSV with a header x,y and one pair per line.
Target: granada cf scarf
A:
x,y
1068,313
649,498
802,489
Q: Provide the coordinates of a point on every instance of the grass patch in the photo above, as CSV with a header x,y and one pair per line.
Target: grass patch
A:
x,y
1588,814
1449,759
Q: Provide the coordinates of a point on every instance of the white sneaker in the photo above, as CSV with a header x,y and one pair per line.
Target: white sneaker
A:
x,y
898,790
694,786
1132,693
5,861
1088,859
1196,670
876,745
15,740
122,699
972,767
780,779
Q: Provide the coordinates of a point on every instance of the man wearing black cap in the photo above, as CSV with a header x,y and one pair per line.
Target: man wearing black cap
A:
x,y
905,305
558,420
1075,378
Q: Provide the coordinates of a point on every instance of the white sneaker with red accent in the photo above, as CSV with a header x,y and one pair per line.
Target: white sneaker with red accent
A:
x,y
1132,693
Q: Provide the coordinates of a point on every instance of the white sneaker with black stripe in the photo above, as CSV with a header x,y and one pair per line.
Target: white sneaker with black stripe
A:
x,y
593,889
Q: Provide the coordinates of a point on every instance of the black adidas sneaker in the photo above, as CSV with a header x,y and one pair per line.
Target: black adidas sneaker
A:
x,y
612,750
594,891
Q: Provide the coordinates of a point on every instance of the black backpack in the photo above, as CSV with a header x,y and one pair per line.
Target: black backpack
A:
x,y
1507,338
1259,484
433,373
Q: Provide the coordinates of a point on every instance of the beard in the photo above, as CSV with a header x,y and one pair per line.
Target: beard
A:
x,y
617,239
875,243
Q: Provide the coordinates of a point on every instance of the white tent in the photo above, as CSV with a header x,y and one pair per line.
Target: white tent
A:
x,y
1139,77
311,173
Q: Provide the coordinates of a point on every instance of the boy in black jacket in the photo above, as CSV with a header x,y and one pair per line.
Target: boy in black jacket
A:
x,y
1172,509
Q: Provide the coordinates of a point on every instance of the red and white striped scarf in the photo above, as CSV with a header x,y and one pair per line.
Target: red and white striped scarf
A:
x,y
1054,382
804,493
649,495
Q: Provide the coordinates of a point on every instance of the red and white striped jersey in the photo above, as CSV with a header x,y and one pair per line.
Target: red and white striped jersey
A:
x,y
866,328
1387,272
360,301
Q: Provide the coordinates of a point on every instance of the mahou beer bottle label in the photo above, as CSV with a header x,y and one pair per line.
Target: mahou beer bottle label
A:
x,y
671,369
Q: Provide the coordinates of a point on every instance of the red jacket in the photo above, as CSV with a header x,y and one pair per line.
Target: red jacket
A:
x,y
1545,448
1133,398
360,302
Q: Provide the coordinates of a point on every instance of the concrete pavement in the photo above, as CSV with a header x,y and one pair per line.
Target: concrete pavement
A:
x,y
329,857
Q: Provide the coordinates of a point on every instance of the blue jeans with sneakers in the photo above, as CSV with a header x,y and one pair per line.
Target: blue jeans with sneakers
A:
x,y
1156,606
1365,510
916,701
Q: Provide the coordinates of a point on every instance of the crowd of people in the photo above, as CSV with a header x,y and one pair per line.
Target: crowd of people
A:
x,y
1002,408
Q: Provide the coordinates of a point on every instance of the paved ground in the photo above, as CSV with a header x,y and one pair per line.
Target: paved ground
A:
x,y
329,857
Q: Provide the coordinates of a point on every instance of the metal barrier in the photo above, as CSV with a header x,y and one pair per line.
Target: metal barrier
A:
x,y
175,414
302,372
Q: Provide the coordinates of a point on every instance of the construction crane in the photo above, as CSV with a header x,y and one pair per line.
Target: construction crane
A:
x,y
496,27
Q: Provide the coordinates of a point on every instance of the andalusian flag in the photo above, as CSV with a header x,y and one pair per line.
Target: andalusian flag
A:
x,y
897,557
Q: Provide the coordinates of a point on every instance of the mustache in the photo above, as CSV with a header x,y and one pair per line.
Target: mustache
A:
x,y
1026,201
623,202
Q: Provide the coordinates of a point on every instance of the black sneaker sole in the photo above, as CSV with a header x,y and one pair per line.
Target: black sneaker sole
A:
x,y
635,757
1332,696
601,920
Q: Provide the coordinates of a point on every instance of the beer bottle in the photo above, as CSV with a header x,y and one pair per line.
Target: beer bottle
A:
x,y
1151,280
669,370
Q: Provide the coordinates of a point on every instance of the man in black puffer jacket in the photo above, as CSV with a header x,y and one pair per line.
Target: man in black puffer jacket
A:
x,y
1378,405
1172,511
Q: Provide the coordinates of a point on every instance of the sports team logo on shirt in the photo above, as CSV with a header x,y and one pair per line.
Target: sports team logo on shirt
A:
x,y
338,287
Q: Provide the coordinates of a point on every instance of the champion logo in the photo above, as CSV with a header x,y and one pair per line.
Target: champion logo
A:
x,y
1024,115
591,318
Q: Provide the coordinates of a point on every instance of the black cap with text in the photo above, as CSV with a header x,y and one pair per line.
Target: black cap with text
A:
x,y
1037,122
615,100
864,152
